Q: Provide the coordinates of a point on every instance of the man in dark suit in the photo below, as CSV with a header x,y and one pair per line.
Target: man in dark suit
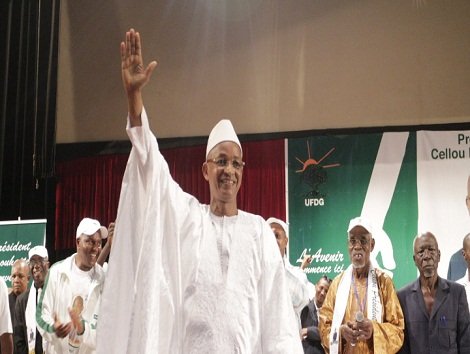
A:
x,y
435,309
457,266
311,340
19,284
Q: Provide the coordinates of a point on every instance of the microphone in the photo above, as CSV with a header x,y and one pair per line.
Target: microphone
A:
x,y
359,317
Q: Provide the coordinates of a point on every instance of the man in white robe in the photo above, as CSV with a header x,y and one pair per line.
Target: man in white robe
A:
x,y
297,281
6,329
26,337
185,277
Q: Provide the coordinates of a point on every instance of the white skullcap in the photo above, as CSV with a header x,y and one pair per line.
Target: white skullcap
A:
x,y
360,221
89,226
280,222
40,251
222,131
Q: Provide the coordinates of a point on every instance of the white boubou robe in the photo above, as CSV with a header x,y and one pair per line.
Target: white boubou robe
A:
x,y
297,283
30,319
182,280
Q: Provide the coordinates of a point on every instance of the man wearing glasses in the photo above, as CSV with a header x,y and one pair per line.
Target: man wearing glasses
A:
x,y
214,278
26,336
361,312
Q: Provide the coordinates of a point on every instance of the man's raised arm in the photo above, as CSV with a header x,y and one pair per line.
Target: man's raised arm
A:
x,y
134,75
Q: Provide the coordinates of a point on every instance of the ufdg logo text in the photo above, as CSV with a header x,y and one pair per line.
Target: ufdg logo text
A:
x,y
309,202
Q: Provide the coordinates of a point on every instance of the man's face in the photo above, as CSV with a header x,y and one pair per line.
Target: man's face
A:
x,y
426,255
19,277
88,250
39,267
360,244
224,181
281,237
466,250
321,289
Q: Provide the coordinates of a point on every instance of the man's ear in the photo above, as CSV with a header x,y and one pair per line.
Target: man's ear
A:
x,y
204,171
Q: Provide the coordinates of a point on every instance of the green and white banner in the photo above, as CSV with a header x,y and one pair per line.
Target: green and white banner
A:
x,y
391,179
443,175
17,237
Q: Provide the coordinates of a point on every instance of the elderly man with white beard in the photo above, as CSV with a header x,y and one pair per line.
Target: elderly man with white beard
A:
x,y
361,312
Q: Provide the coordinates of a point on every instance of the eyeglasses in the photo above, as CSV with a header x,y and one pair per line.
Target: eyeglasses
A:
x,y
88,242
223,162
362,241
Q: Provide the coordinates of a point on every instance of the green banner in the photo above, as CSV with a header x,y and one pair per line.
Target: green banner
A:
x,y
332,179
17,238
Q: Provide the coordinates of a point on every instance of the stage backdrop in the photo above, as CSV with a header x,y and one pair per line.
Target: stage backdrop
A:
x,y
392,179
17,238
443,171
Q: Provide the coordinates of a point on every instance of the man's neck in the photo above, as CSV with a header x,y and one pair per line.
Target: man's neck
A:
x,y
317,305
80,264
361,272
428,284
224,209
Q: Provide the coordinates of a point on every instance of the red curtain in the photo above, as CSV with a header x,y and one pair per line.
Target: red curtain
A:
x,y
90,187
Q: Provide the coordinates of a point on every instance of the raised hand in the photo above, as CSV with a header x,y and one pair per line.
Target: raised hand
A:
x,y
134,73
306,261
110,233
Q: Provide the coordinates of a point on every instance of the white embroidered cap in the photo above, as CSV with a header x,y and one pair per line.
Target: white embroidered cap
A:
x,y
222,131
40,251
280,222
89,226
361,221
